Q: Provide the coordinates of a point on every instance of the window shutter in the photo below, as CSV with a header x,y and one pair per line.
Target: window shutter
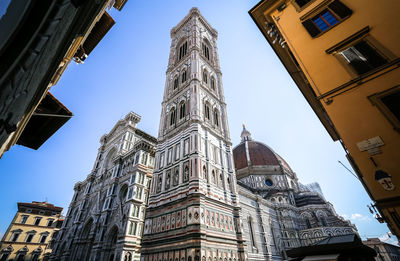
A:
x,y
340,9
372,55
311,28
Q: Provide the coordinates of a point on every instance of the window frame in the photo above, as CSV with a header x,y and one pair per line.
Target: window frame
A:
x,y
23,219
36,220
376,100
361,36
340,15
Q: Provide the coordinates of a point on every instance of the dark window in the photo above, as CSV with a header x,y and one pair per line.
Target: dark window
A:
x,y
23,219
35,257
206,51
15,237
182,51
268,182
392,102
205,77
328,18
172,117
50,223
37,221
216,116
302,3
21,257
362,57
207,111
184,76
4,257
29,238
43,239
176,83
182,110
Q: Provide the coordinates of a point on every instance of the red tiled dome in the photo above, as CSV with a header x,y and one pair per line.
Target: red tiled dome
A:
x,y
260,155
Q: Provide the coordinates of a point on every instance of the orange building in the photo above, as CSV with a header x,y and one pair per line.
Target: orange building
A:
x,y
344,57
29,236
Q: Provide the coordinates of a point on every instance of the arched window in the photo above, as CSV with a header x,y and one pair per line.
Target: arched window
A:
x,y
206,50
216,118
184,76
213,83
207,111
182,110
176,83
205,76
182,51
204,172
214,180
172,118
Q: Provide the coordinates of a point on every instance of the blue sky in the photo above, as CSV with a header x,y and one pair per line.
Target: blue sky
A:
x,y
126,72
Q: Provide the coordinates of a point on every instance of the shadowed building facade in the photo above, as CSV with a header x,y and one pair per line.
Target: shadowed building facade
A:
x,y
344,56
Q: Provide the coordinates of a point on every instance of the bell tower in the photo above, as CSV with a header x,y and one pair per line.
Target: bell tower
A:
x,y
193,210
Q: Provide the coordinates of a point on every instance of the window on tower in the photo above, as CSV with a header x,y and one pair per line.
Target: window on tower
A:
x,y
184,76
176,83
216,118
213,83
182,110
206,50
182,51
205,76
172,117
207,111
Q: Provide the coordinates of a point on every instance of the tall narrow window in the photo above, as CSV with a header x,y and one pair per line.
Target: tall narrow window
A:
x,y
184,76
207,111
182,51
205,76
24,218
29,238
37,221
213,83
216,118
176,83
172,117
206,51
253,243
182,110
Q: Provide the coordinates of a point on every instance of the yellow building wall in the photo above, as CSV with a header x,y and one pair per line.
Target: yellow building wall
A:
x,y
29,226
352,113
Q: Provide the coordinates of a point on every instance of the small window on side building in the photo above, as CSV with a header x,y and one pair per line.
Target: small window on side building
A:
x,y
327,18
388,102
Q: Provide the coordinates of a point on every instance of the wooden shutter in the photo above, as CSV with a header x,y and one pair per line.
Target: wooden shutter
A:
x,y
340,9
312,29
98,32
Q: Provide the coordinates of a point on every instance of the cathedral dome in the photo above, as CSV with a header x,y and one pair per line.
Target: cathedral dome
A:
x,y
251,153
